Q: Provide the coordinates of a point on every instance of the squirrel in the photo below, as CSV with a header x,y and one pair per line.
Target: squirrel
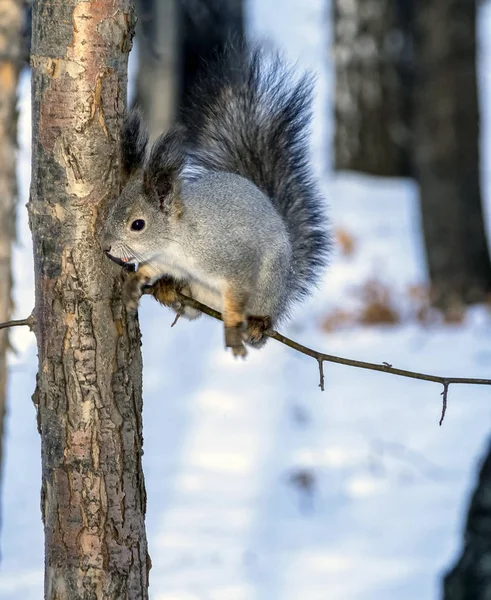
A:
x,y
224,207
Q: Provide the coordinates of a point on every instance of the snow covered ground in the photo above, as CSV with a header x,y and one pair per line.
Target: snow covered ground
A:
x,y
260,487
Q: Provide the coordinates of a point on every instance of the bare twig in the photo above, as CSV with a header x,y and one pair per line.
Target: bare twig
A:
x,y
321,374
29,322
320,357
444,402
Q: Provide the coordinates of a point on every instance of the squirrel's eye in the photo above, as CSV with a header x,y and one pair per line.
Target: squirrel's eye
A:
x,y
138,225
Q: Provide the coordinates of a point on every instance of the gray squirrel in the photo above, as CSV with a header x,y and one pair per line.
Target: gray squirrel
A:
x,y
224,207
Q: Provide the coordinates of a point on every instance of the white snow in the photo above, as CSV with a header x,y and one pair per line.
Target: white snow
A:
x,y
227,443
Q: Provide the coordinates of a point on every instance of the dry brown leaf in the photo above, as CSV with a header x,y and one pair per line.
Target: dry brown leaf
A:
x,y
345,241
338,319
378,307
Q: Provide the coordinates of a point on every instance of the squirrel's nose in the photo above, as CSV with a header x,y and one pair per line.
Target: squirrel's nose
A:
x,y
107,249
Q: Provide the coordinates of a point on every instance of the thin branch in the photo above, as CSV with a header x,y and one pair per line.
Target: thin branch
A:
x,y
321,374
320,357
29,322
444,402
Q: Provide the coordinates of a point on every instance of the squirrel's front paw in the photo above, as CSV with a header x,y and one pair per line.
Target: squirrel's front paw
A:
x,y
234,339
166,291
132,292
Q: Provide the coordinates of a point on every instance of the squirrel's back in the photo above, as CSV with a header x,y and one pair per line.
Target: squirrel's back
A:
x,y
248,117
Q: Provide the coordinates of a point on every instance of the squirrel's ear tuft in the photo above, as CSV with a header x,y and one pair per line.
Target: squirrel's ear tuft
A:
x,y
164,166
134,141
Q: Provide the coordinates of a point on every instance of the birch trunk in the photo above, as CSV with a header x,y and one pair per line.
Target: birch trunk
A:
x,y
88,392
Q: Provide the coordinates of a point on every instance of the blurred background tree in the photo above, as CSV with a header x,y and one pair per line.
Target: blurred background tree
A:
x,y
470,578
12,53
447,139
175,38
373,62
406,104
156,85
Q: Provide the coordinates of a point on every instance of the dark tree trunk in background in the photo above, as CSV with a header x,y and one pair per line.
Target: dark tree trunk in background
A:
x,y
88,392
205,26
158,68
373,61
175,39
11,20
447,155
470,579
447,151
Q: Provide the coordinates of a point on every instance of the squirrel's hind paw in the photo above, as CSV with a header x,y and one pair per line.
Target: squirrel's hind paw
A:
x,y
234,339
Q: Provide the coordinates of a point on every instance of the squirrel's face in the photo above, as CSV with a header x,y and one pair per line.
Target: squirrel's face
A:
x,y
133,230
137,223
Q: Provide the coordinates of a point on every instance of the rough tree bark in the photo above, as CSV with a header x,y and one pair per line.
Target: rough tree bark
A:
x,y
470,579
11,20
447,151
88,392
373,61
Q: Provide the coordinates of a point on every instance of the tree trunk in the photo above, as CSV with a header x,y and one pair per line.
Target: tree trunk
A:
x,y
373,62
447,151
157,81
88,392
175,40
11,19
205,27
27,31
470,579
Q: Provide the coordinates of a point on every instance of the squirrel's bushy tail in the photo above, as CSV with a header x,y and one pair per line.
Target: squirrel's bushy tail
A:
x,y
250,117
